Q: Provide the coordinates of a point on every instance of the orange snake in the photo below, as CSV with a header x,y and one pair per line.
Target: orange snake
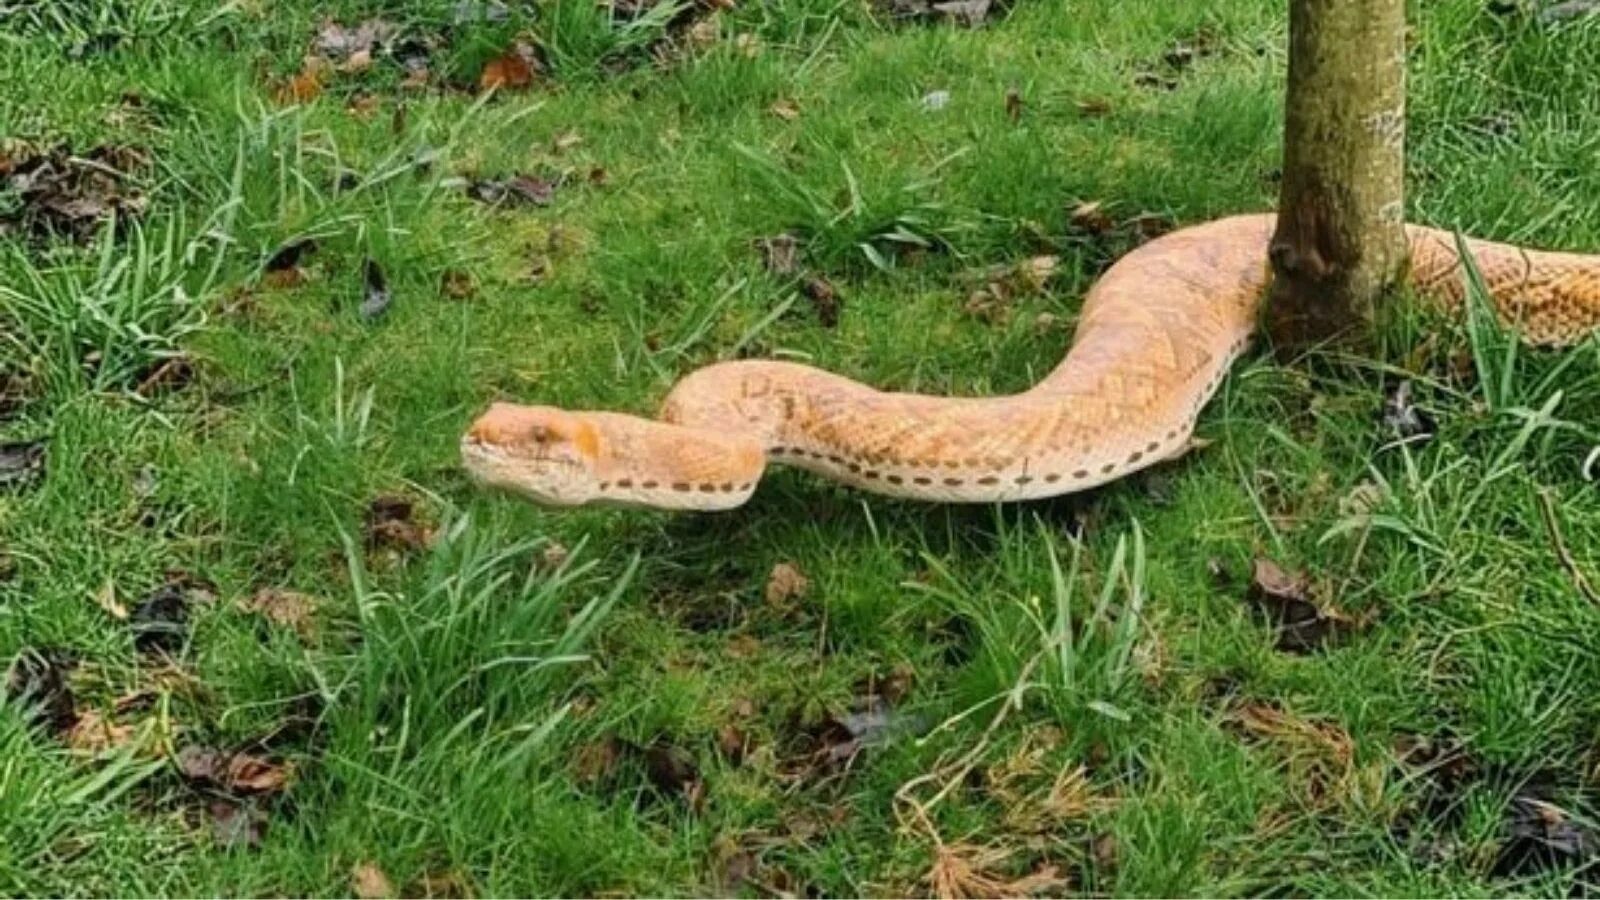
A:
x,y
1156,336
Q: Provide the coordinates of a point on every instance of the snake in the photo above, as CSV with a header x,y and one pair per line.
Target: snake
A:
x,y
1156,335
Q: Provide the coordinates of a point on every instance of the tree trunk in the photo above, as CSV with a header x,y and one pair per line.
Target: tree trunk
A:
x,y
1340,242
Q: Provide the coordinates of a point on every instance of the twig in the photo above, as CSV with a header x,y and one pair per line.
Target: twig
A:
x,y
1548,508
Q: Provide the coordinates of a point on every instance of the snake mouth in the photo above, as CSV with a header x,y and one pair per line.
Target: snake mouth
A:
x,y
550,481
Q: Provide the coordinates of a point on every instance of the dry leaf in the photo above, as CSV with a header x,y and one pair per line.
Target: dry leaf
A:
x,y
368,882
1013,105
824,298
554,556
1093,107
238,772
288,609
106,599
93,733
303,88
363,105
457,285
234,825
968,870
1091,217
1285,599
785,583
780,253
748,45
786,110
509,71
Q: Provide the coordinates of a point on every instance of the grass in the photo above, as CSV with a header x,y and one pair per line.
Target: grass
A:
x,y
1077,690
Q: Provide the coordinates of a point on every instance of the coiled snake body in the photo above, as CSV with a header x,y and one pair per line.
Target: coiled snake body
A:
x,y
1156,335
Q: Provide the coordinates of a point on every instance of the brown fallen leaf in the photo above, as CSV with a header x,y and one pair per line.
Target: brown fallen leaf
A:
x,y
391,524
284,608
339,43
363,105
597,761
106,599
672,771
458,285
304,86
168,375
368,882
237,826
1149,226
731,742
743,646
61,193
785,583
969,870
510,71
554,556
824,298
94,733
1091,217
705,32
1285,599
780,253
237,772
1093,107
748,45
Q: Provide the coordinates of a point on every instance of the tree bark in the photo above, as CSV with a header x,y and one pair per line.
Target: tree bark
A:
x,y
1340,243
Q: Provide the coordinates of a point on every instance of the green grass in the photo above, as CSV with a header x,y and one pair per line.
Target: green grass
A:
x,y
443,717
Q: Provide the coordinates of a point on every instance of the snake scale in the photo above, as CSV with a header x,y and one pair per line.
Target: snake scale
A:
x,y
1156,336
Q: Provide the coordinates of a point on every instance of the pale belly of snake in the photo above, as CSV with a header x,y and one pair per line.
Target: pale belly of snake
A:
x,y
1156,336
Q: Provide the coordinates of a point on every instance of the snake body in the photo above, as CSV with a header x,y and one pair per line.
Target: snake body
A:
x,y
1157,334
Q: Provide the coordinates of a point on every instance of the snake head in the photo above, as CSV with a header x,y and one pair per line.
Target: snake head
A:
x,y
546,454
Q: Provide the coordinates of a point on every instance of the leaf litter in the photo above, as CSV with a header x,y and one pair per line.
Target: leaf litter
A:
x,y
1286,600
56,192
22,464
39,681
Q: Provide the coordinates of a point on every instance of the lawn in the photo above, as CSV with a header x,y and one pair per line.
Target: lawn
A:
x,y
264,636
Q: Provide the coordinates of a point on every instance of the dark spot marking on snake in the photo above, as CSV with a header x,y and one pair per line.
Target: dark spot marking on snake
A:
x,y
681,486
894,479
624,482
1106,469
650,485
1152,447
952,464
1052,478
1081,473
1172,435
839,461
708,488
1024,479
727,487
922,479
953,482
855,468
973,462
1135,456
988,479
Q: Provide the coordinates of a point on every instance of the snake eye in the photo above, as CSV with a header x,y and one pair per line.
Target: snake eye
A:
x,y
540,434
